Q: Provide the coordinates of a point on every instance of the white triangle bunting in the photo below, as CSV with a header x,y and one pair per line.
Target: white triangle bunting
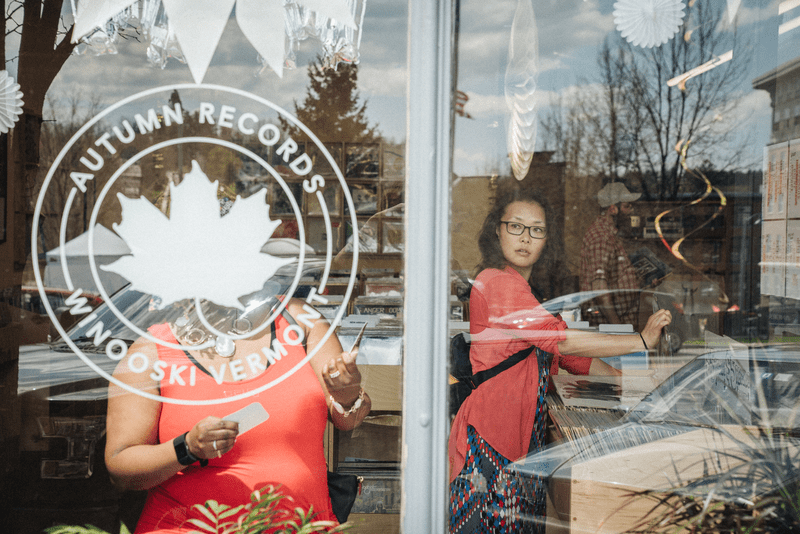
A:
x,y
198,26
264,26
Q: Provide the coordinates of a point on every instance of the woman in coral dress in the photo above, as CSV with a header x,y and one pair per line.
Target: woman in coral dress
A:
x,y
179,445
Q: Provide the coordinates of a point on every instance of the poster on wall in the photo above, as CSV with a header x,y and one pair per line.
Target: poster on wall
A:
x,y
773,258
793,259
775,181
793,179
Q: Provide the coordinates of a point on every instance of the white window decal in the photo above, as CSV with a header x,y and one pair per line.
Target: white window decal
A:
x,y
190,249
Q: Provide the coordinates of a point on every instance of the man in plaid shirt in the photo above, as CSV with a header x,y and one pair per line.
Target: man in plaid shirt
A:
x,y
604,262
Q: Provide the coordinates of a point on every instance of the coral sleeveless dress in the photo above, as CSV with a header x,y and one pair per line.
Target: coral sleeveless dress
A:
x,y
285,450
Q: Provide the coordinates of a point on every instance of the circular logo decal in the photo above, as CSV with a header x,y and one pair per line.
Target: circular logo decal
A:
x,y
203,187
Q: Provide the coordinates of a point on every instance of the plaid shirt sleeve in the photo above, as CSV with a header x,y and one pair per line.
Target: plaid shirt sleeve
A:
x,y
598,249
604,258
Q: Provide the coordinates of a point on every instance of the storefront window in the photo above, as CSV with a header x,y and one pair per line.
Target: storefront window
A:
x,y
641,156
203,203
203,210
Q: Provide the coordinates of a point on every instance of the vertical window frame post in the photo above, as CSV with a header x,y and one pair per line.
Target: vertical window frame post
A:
x,y
427,265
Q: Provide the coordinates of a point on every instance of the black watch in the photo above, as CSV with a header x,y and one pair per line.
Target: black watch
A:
x,y
185,457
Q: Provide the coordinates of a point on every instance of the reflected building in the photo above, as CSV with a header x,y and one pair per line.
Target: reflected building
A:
x,y
780,215
783,86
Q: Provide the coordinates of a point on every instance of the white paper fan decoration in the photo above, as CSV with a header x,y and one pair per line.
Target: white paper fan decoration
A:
x,y
10,102
648,23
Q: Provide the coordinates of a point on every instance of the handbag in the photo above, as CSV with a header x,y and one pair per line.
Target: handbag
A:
x,y
343,490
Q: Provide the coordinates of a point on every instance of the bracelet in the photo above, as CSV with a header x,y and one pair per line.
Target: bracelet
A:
x,y
643,341
356,405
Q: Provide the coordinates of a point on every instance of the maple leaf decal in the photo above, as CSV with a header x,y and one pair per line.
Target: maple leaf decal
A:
x,y
196,252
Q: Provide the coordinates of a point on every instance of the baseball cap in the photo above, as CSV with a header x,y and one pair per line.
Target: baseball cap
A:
x,y
615,193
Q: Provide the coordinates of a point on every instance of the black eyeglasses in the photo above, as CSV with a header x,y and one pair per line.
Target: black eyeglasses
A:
x,y
515,228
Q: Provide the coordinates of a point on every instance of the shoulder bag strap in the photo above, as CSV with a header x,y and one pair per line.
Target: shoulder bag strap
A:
x,y
482,376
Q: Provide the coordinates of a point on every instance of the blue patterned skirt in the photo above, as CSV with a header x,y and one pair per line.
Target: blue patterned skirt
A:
x,y
487,498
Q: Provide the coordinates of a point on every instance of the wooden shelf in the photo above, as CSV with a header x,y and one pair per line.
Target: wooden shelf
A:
x,y
384,384
374,523
377,439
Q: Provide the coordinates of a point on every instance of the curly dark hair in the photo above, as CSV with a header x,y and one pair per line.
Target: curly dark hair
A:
x,y
546,276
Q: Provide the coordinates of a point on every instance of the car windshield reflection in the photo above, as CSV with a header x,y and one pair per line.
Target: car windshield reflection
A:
x,y
56,364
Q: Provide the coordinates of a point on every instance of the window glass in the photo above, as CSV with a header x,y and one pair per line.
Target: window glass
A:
x,y
655,143
212,202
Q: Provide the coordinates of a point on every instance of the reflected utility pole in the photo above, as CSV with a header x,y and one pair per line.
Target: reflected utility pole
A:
x,y
173,100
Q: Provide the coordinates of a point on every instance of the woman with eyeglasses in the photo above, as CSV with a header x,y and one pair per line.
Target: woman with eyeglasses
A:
x,y
504,418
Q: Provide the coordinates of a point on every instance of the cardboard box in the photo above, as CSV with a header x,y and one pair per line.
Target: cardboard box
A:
x,y
602,495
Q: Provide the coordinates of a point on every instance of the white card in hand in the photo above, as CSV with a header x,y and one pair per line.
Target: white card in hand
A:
x,y
248,417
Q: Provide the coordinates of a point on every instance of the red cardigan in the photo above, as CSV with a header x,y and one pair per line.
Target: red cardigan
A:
x,y
505,318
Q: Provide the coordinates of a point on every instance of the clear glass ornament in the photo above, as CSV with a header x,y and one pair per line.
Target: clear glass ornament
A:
x,y
520,89
162,43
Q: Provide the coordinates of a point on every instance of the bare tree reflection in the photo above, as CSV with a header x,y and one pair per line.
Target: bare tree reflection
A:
x,y
628,123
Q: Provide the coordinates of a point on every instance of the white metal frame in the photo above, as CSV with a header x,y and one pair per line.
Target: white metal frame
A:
x,y
427,266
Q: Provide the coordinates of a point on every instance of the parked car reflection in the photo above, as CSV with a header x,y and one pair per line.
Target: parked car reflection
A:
x,y
32,315
716,443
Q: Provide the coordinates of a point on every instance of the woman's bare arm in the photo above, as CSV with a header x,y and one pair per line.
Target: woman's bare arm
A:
x,y
343,387
134,458
597,345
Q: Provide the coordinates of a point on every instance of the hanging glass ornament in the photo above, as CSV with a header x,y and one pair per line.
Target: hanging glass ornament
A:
x,y
103,39
162,43
100,42
341,43
273,27
520,89
149,11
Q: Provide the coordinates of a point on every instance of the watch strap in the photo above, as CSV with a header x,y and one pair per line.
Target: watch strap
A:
x,y
185,456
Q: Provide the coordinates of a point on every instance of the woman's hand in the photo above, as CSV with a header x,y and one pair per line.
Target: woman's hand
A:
x,y
651,332
338,374
212,437
342,378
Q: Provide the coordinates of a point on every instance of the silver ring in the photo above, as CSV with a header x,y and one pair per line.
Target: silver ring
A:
x,y
334,374
215,444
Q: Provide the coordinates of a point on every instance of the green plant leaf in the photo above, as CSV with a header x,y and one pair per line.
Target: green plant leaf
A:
x,y
75,529
231,511
214,506
212,510
258,517
200,524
